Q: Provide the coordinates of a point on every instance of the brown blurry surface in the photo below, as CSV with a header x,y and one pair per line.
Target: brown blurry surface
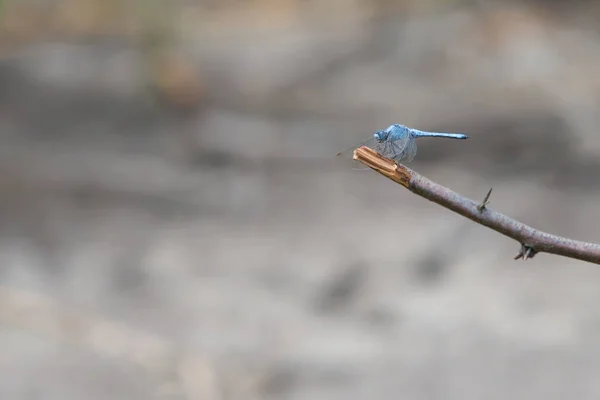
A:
x,y
173,223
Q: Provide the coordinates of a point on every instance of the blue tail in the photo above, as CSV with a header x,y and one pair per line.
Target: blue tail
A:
x,y
417,133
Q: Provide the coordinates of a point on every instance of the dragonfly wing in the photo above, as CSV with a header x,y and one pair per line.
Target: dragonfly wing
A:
x,y
396,150
411,150
348,154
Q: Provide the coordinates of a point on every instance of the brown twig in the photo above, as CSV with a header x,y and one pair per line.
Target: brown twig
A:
x,y
532,241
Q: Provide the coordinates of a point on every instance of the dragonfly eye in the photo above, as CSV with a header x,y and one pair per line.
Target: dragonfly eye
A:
x,y
379,136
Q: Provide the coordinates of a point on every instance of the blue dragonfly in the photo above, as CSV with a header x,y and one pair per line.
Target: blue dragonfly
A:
x,y
397,142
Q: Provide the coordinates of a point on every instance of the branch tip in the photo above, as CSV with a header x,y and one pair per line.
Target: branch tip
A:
x,y
385,166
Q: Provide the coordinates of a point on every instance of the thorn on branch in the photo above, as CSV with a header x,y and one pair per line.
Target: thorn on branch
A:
x,y
526,252
486,200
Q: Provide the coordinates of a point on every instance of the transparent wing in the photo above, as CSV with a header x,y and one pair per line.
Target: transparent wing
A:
x,y
410,151
348,154
396,150
401,149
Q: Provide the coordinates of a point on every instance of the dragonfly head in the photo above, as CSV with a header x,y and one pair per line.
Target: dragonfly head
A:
x,y
380,136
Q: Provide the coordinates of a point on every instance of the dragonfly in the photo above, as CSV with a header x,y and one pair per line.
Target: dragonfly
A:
x,y
397,142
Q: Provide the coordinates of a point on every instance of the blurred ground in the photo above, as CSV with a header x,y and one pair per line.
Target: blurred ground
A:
x,y
173,223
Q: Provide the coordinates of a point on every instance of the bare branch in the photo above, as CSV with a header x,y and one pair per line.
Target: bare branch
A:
x,y
532,241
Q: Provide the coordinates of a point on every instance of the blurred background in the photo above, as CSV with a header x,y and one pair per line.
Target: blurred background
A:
x,y
174,223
